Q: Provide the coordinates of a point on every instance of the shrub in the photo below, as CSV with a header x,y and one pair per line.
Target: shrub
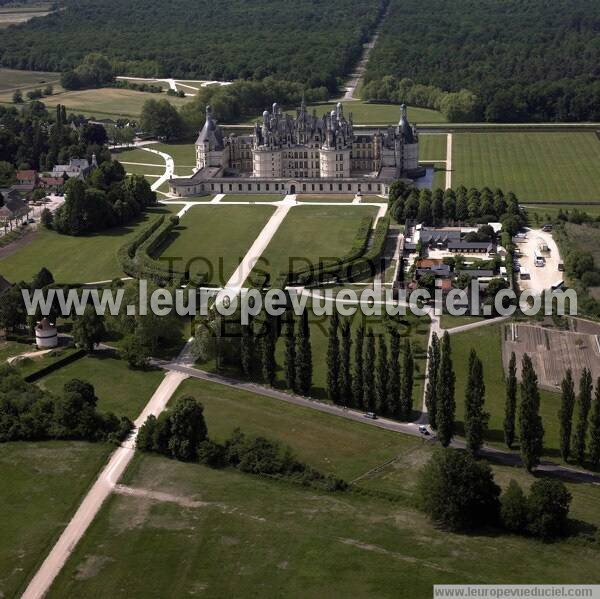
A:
x,y
513,510
457,492
548,509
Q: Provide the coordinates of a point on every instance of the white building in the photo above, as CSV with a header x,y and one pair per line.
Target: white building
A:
x,y
46,334
302,154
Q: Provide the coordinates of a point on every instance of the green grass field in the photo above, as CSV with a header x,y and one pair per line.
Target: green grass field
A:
x,y
75,259
150,172
105,102
42,484
539,214
139,156
487,342
310,233
216,238
184,156
119,389
325,442
432,147
251,533
11,80
364,113
549,167
265,197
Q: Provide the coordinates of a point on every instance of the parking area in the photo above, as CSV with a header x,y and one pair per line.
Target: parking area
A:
x,y
535,242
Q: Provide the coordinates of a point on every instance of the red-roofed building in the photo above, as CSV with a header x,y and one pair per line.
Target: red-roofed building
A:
x,y
26,180
52,183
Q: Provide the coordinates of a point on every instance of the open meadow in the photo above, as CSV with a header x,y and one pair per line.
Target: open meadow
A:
x,y
537,167
42,484
82,259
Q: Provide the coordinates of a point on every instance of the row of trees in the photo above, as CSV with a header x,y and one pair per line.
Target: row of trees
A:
x,y
459,205
364,373
584,441
27,413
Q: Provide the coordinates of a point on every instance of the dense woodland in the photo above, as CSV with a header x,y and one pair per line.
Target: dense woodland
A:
x,y
306,41
534,60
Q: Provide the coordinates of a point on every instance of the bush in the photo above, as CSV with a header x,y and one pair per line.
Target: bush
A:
x,y
513,510
548,509
457,492
211,454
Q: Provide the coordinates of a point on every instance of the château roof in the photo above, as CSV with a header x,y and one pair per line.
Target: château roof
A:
x,y
211,133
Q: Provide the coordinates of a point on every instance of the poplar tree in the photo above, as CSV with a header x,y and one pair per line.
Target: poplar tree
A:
x,y
565,414
595,429
446,404
382,376
357,375
510,407
433,366
303,356
531,429
269,365
408,366
345,374
333,359
369,372
476,419
394,382
247,349
290,353
585,402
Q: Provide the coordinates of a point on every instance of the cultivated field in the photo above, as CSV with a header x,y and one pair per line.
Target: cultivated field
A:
x,y
432,146
553,352
119,389
543,167
311,233
83,259
216,238
42,484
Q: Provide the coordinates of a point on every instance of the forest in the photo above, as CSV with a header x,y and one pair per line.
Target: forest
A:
x,y
307,41
524,61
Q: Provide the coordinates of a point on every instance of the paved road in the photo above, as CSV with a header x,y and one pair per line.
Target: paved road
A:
x,y
102,488
409,428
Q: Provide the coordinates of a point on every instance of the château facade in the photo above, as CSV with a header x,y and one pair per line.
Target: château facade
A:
x,y
301,154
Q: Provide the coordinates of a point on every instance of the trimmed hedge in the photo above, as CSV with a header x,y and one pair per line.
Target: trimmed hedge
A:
x,y
42,372
137,257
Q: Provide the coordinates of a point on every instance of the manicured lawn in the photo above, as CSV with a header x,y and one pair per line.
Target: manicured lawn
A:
x,y
432,147
449,322
364,113
216,238
247,532
550,167
119,389
151,172
184,156
42,484
327,198
108,102
311,233
326,442
487,342
258,197
139,156
75,259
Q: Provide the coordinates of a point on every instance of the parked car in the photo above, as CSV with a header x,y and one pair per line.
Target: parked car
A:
x,y
561,267
424,431
371,415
